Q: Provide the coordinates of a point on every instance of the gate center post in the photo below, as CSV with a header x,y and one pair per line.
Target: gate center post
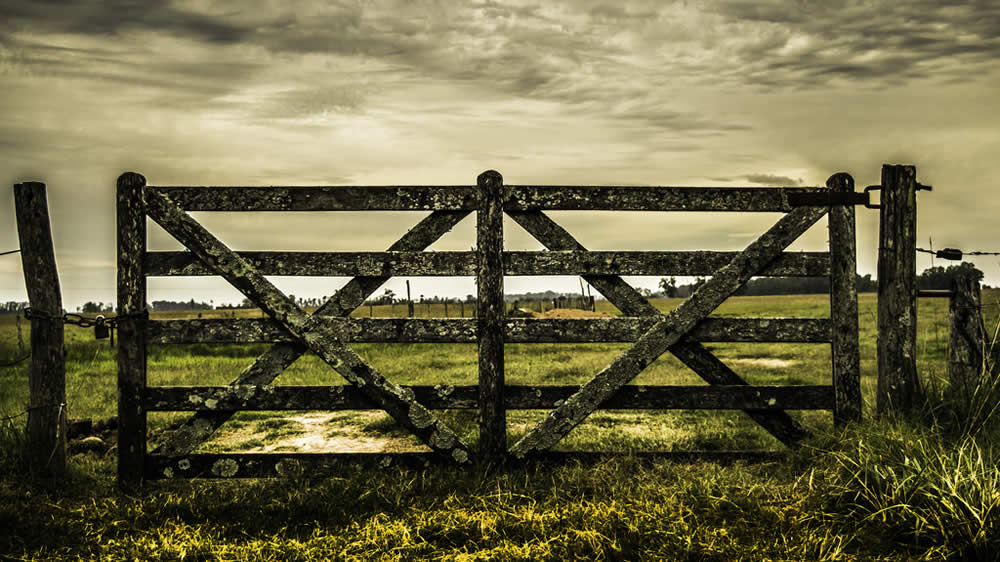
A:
x,y
490,318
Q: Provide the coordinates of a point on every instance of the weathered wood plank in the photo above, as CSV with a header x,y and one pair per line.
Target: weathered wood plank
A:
x,y
324,198
628,300
312,465
845,348
131,227
966,352
271,363
516,397
490,310
389,264
898,384
47,373
516,330
318,337
518,198
668,331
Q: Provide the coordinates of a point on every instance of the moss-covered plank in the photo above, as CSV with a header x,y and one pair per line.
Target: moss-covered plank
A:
x,y
271,363
314,465
516,330
388,264
668,331
574,198
131,233
323,198
458,197
845,349
466,397
318,337
490,310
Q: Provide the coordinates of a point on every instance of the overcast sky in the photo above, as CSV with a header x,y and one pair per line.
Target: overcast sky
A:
x,y
714,93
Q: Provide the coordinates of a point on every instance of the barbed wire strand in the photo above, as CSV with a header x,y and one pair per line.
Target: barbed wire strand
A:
x,y
954,254
10,252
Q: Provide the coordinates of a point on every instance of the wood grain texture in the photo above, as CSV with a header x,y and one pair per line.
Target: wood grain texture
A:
x,y
517,198
459,397
490,312
389,264
898,385
966,352
46,447
845,349
516,330
315,465
131,226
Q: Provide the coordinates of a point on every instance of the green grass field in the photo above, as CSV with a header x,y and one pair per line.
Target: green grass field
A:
x,y
799,509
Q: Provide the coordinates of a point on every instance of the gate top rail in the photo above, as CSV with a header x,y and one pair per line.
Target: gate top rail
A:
x,y
516,198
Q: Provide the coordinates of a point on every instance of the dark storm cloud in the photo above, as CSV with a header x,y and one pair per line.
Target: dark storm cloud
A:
x,y
810,43
771,179
99,17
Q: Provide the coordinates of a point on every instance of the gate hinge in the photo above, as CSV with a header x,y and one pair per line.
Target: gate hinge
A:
x,y
827,198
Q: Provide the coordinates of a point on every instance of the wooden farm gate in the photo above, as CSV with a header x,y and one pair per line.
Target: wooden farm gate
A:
x,y
329,332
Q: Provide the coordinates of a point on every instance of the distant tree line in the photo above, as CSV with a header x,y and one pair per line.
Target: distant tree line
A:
x,y
12,307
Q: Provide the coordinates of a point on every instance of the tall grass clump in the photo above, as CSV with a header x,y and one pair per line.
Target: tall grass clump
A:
x,y
12,444
930,481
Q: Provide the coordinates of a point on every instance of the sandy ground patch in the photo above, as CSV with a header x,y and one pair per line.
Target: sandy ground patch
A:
x,y
769,363
571,313
323,432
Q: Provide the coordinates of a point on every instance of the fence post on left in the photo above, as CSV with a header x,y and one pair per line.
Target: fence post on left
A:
x,y
47,416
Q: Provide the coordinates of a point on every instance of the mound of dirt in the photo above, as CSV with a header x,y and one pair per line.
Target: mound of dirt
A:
x,y
572,313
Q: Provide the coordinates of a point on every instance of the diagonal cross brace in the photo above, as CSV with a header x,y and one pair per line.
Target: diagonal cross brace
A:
x,y
694,355
667,332
266,368
319,337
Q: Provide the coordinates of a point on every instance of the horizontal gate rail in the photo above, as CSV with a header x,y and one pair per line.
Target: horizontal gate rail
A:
x,y
329,331
516,330
518,198
314,465
788,264
466,397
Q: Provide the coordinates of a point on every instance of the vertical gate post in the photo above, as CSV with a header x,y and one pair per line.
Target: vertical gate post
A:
x,y
898,385
845,353
47,375
490,318
131,227
965,356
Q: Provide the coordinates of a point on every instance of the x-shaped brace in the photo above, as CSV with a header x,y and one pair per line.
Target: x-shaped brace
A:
x,y
667,332
315,335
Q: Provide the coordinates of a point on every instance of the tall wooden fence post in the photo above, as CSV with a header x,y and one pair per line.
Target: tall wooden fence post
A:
x,y
898,385
47,376
845,352
966,352
490,319
131,225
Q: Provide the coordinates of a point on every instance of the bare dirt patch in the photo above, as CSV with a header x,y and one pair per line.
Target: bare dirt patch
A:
x,y
320,432
571,313
769,363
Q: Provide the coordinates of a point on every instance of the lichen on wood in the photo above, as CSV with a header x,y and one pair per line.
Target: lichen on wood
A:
x,y
668,331
516,330
271,363
317,336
